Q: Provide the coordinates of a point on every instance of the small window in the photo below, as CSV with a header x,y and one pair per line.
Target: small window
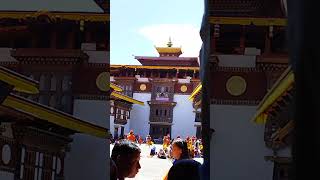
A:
x,y
165,112
66,83
53,85
42,84
157,112
53,100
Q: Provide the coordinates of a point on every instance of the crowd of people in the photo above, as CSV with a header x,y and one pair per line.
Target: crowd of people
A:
x,y
181,151
194,145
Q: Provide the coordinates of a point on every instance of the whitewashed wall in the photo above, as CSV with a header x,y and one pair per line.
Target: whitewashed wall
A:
x,y
183,117
88,154
127,127
237,61
139,120
237,146
6,175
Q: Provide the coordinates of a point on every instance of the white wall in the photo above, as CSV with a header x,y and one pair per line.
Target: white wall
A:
x,y
237,61
139,119
6,175
88,154
237,146
93,111
183,117
127,127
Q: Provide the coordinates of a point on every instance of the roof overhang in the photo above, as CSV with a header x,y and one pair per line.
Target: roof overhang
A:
x,y
248,21
116,87
155,67
54,116
281,86
75,16
195,91
20,82
126,98
169,50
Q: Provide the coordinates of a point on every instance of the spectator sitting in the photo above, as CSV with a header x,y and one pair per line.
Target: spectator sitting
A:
x,y
162,154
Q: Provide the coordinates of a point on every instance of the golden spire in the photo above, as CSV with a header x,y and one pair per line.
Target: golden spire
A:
x,y
170,42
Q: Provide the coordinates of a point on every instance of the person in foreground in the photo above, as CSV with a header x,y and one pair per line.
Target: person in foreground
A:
x,y
179,152
124,162
185,169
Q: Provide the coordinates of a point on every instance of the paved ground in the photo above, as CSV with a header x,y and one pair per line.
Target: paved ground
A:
x,y
152,168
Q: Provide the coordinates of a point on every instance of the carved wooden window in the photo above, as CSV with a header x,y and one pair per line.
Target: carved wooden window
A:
x,y
22,162
42,85
53,86
53,101
38,168
122,113
162,93
66,83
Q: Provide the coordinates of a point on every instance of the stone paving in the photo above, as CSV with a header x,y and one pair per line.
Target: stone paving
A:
x,y
152,168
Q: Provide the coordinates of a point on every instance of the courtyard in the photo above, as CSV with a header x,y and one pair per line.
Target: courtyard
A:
x,y
152,168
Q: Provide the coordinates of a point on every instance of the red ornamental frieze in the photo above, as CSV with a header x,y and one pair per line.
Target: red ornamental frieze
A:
x,y
238,86
143,87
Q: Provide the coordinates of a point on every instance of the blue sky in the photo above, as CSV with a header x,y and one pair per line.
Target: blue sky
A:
x,y
138,25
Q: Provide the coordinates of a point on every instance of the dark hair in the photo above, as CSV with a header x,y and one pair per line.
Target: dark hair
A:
x,y
185,169
183,146
124,147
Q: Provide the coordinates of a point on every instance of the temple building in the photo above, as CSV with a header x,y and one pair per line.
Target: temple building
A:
x,y
164,85
65,48
276,113
244,52
34,138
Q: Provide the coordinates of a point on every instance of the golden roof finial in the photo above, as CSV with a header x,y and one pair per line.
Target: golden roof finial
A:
x,y
170,42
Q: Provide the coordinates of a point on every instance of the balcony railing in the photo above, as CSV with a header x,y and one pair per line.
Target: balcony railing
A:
x,y
161,119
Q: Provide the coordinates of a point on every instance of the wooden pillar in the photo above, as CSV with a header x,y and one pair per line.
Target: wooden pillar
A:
x,y
71,39
267,46
242,40
88,36
53,43
216,34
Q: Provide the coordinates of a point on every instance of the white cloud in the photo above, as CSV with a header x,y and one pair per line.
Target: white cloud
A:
x,y
184,35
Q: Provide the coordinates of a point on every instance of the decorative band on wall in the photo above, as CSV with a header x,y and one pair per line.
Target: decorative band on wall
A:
x,y
235,102
236,69
91,97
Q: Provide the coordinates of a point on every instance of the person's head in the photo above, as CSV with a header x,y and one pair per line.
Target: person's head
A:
x,y
126,156
185,169
180,149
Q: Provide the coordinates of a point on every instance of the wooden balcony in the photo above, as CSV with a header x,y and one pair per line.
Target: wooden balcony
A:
x,y
161,119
